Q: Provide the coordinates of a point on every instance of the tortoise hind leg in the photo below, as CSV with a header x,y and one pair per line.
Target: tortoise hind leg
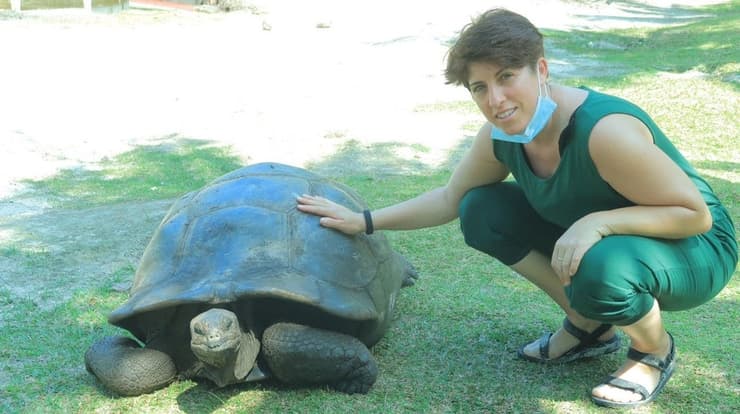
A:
x,y
300,354
126,368
410,274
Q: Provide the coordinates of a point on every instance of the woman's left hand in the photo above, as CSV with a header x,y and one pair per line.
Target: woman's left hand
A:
x,y
332,215
573,245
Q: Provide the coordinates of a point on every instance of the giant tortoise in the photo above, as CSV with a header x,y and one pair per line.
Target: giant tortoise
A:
x,y
238,285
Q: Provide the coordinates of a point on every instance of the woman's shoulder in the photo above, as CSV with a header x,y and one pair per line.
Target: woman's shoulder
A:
x,y
601,103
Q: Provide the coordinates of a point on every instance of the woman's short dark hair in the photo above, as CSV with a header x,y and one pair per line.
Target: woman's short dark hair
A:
x,y
498,36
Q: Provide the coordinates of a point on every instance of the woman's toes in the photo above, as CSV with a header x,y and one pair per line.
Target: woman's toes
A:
x,y
633,372
532,349
615,394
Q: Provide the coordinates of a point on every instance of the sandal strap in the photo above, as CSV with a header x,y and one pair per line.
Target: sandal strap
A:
x,y
585,338
652,360
647,359
602,329
579,333
545,346
627,385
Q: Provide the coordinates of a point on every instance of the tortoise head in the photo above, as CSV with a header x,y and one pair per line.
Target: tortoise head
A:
x,y
218,340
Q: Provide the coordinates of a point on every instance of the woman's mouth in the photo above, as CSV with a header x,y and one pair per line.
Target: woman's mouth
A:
x,y
505,114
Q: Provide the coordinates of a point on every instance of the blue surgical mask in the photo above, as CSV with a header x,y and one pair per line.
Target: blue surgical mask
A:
x,y
542,114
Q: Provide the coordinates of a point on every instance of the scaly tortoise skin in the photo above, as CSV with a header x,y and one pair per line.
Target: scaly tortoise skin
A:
x,y
238,285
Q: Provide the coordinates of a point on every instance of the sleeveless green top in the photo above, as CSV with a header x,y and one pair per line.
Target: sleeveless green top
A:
x,y
576,189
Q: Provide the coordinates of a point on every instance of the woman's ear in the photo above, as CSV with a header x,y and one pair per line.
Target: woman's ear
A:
x,y
543,69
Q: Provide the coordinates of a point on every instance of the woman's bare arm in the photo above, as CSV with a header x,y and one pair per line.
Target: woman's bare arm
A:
x,y
438,206
668,203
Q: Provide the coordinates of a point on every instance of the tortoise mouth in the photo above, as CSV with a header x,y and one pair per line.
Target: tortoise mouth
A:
x,y
220,345
216,353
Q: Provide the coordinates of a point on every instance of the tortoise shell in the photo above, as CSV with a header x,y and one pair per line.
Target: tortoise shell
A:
x,y
240,243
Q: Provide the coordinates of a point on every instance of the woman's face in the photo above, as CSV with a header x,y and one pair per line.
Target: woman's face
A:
x,y
507,97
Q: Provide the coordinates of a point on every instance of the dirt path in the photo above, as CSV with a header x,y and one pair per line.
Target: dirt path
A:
x,y
276,82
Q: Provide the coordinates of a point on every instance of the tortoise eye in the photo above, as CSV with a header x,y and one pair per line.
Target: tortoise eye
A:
x,y
198,329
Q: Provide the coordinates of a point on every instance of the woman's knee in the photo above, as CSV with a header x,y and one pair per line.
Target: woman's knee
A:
x,y
485,217
491,207
498,220
472,210
610,285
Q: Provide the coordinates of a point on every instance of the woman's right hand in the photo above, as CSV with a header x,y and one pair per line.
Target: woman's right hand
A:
x,y
332,215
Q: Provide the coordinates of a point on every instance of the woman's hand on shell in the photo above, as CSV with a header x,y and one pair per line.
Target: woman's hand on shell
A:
x,y
332,215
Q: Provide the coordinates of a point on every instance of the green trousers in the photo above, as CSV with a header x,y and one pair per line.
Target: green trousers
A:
x,y
619,276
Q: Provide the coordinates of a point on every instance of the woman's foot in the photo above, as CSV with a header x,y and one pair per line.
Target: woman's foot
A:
x,y
647,373
571,342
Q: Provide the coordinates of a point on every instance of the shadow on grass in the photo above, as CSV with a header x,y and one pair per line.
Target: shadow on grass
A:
x,y
374,160
101,218
385,159
644,13
718,165
152,172
701,39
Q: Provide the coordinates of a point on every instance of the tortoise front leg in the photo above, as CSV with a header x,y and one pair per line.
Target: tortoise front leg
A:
x,y
126,368
300,354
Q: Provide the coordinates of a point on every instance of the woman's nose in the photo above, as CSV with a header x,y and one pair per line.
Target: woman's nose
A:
x,y
495,97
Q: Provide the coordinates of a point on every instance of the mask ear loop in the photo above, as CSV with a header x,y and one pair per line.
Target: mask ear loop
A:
x,y
540,86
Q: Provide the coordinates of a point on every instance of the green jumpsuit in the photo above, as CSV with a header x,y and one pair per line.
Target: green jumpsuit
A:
x,y
621,274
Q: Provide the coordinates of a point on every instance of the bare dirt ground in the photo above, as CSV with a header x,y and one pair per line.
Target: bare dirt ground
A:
x,y
281,81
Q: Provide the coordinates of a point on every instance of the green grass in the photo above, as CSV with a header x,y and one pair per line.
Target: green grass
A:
x,y
452,344
145,173
707,44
